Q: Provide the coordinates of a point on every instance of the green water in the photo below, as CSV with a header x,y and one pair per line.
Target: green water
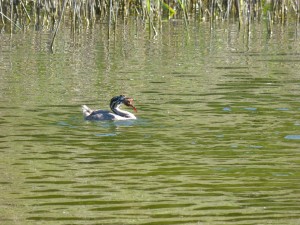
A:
x,y
216,140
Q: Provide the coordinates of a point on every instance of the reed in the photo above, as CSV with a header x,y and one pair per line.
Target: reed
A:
x,y
86,12
50,13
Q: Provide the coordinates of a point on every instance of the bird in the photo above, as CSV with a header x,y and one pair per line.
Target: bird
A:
x,y
116,114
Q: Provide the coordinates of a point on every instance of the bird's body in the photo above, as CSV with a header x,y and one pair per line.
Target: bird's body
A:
x,y
116,114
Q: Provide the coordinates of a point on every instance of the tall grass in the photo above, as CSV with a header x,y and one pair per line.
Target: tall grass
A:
x,y
18,14
86,12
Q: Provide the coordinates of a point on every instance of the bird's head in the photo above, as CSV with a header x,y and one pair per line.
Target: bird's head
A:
x,y
118,100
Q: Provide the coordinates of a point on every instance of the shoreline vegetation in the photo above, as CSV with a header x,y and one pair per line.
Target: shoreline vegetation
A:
x,y
49,14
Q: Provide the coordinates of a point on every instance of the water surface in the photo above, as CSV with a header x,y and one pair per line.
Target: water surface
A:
x,y
216,140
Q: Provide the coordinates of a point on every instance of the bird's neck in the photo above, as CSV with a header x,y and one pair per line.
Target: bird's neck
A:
x,y
123,113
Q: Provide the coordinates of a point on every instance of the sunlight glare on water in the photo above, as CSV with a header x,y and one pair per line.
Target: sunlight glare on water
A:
x,y
216,140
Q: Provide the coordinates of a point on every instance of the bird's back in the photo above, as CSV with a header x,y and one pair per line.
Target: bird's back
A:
x,y
90,114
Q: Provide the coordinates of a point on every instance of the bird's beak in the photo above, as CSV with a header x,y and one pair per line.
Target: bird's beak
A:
x,y
134,108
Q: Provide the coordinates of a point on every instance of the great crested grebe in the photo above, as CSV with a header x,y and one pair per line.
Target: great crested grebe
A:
x,y
117,114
